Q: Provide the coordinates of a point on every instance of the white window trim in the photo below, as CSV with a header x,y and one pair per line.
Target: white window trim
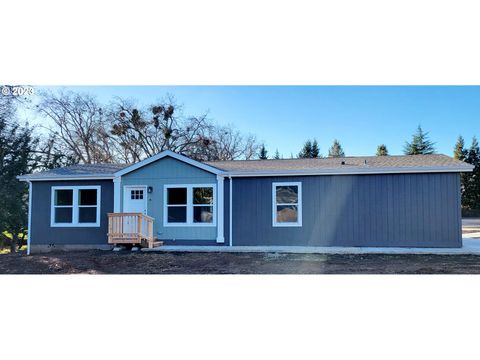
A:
x,y
75,206
189,205
274,205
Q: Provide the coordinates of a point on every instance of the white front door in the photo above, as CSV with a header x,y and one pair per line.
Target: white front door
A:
x,y
134,201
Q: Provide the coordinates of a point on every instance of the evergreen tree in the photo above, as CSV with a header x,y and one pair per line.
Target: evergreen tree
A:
x,y
420,145
16,149
471,198
277,155
306,151
336,150
315,153
382,150
459,152
263,153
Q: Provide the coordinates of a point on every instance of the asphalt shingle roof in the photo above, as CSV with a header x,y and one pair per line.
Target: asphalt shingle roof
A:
x,y
359,162
248,166
81,170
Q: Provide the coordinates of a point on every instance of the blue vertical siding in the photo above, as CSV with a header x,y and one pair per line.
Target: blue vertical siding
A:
x,y
171,171
408,210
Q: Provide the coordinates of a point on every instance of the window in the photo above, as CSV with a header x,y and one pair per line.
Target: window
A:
x,y
136,194
189,205
202,204
75,206
287,204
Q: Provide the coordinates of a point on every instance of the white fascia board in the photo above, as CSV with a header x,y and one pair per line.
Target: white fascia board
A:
x,y
411,170
64,178
173,155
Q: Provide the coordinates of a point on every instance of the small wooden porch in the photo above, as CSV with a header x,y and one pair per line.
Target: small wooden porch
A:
x,y
131,228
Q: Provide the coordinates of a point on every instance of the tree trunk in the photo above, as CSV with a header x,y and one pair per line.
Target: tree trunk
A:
x,y
13,243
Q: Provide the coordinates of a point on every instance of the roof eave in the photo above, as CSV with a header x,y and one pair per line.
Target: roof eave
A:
x,y
334,171
64,178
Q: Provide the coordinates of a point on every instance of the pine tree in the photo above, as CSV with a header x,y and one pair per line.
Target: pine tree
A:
x,y
263,153
336,150
16,149
315,153
471,198
420,145
459,152
306,151
277,155
382,150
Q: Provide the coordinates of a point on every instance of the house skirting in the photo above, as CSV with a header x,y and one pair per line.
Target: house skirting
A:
x,y
34,248
470,247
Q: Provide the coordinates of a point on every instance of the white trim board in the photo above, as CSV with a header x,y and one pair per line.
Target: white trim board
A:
x,y
29,230
173,155
64,178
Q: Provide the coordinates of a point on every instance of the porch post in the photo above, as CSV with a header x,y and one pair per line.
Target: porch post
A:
x,y
116,193
220,201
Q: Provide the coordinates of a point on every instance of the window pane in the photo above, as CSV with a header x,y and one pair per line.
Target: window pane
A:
x,y
87,215
177,196
286,213
63,215
88,197
63,197
203,214
203,195
177,214
287,194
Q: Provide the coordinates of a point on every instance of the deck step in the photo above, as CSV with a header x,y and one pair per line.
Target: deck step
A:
x,y
157,244
154,244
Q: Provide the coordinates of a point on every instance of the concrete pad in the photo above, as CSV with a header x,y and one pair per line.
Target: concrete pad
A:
x,y
470,247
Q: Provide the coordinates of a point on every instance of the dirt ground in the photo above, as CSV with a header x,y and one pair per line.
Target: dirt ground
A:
x,y
126,262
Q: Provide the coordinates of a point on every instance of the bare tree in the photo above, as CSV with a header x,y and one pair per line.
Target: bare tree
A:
x,y
79,124
226,143
84,131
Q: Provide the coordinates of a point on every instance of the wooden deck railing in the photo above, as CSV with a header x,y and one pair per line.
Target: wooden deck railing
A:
x,y
130,228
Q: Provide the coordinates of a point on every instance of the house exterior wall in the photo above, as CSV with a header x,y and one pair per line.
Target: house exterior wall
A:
x,y
171,171
401,210
42,234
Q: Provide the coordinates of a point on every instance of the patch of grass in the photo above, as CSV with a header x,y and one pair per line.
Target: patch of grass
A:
x,y
7,250
9,235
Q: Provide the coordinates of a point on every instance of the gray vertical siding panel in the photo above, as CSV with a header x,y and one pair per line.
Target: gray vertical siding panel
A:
x,y
410,210
44,234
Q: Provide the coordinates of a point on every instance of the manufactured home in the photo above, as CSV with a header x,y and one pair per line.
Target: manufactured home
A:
x,y
385,201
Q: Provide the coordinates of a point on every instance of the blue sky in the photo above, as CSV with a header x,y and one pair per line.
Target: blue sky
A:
x,y
361,117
